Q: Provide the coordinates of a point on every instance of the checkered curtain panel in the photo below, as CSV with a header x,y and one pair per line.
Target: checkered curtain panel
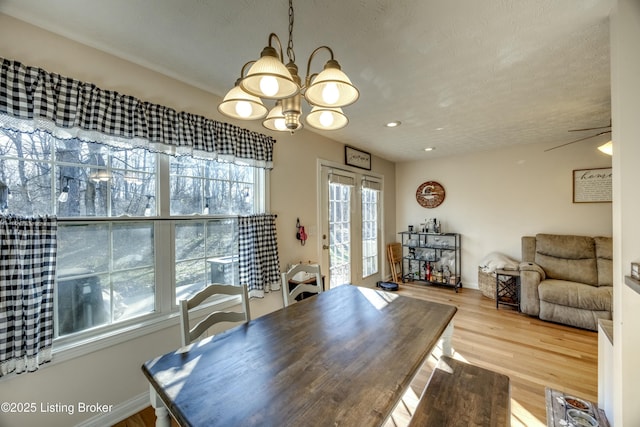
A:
x,y
27,271
32,98
258,258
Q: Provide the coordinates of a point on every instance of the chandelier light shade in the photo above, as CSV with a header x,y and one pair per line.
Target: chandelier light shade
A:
x,y
327,118
331,88
275,119
270,78
241,105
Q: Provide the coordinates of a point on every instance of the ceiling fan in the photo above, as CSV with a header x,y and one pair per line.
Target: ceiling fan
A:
x,y
604,132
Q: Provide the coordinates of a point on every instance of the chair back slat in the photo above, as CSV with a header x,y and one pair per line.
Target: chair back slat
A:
x,y
191,333
289,295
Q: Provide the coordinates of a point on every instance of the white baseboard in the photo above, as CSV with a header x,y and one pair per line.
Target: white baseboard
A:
x,y
120,412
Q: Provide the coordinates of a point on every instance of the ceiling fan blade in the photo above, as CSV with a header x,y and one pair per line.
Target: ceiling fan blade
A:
x,y
601,127
578,140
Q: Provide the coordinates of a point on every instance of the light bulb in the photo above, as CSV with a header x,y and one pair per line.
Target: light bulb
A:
x,y
64,195
243,109
326,119
280,124
330,93
269,85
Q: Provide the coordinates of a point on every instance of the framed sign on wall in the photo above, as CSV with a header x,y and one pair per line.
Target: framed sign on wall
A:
x,y
358,158
592,185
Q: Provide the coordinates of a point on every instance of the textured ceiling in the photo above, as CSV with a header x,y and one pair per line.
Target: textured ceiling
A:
x,y
461,75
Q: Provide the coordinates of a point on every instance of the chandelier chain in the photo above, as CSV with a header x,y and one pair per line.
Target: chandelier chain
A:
x,y
290,53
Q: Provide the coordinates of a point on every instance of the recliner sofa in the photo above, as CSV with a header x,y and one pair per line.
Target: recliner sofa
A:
x,y
567,279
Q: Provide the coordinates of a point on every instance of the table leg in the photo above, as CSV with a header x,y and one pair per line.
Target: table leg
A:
x,y
162,414
447,348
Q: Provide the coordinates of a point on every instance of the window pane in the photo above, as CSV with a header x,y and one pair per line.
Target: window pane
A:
x,y
206,252
132,245
190,238
84,197
28,186
212,188
186,195
190,278
133,293
81,153
221,238
81,301
133,191
105,274
83,247
369,231
133,182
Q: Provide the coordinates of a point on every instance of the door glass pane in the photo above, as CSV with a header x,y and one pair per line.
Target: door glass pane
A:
x,y
369,231
339,233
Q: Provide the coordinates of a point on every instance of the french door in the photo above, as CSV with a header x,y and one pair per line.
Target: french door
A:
x,y
351,203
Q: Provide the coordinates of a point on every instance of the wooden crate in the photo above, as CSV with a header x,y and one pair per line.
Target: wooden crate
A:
x,y
487,283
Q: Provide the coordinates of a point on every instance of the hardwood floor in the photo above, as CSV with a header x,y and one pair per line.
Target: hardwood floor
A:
x,y
533,353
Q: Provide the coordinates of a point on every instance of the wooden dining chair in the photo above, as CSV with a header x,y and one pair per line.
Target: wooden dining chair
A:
x,y
394,255
187,306
292,286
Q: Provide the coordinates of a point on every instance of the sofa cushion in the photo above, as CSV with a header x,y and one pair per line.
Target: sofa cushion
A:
x,y
604,258
567,257
578,295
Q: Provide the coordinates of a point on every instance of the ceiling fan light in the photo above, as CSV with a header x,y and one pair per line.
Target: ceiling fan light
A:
x,y
327,118
607,148
331,88
240,105
269,78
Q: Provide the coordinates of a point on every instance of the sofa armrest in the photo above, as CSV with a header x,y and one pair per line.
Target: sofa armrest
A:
x,y
531,275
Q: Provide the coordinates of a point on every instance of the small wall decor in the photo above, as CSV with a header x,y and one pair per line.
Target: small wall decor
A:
x,y
635,270
430,194
592,185
300,233
358,158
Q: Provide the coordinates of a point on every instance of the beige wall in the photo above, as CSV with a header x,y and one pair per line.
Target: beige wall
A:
x,y
113,375
625,97
495,197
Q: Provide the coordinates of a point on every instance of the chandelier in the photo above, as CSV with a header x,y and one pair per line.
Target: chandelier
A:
x,y
269,78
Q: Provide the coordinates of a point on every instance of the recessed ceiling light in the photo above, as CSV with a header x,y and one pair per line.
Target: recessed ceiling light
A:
x,y
429,148
393,124
439,128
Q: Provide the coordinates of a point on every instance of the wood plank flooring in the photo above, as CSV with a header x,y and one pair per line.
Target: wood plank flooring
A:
x,y
533,353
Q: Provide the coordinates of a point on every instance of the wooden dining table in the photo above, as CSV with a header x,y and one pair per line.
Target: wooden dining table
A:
x,y
343,358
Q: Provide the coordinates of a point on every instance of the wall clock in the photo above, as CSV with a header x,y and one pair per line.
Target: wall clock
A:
x,y
430,194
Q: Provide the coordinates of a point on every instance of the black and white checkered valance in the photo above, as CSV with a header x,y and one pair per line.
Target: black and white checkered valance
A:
x,y
259,264
27,271
34,99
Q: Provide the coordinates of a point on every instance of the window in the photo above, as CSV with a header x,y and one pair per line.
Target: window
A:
x,y
121,213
